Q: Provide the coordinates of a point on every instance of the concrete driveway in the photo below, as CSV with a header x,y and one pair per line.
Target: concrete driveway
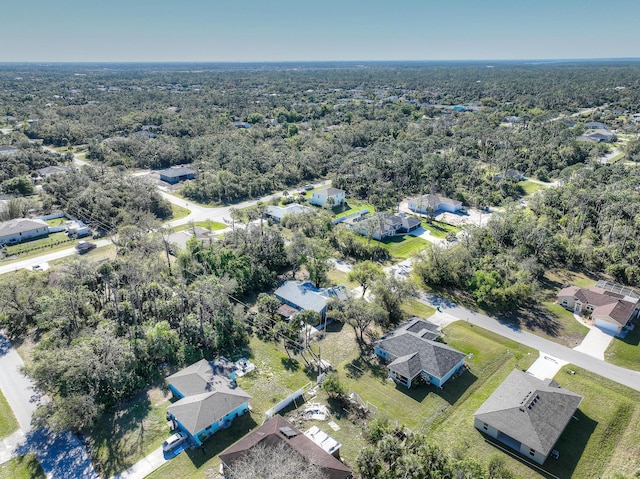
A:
x,y
595,343
546,366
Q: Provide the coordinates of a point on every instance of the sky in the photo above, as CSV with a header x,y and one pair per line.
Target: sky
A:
x,y
306,30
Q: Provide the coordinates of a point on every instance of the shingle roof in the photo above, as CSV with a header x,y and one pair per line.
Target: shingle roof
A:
x,y
20,225
412,349
177,171
208,394
434,201
329,192
529,410
306,296
605,303
270,434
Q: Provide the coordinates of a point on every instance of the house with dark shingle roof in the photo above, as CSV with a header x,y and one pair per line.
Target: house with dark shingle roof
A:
x,y
208,400
610,311
177,174
276,431
382,225
413,353
527,414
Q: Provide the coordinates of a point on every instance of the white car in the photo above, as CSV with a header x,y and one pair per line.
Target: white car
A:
x,y
173,441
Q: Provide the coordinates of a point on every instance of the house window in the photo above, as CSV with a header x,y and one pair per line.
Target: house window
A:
x,y
485,426
532,452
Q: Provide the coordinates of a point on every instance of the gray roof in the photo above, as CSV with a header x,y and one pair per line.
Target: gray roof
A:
x,y
52,170
329,192
434,201
20,225
412,349
306,296
208,394
177,171
530,410
8,149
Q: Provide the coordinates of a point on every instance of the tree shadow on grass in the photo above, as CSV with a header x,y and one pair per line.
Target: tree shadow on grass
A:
x,y
221,440
290,364
532,317
120,435
363,365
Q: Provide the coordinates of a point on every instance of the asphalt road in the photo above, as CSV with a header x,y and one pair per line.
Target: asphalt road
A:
x,y
615,373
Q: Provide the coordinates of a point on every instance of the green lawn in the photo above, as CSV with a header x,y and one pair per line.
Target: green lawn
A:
x,y
179,212
339,278
22,467
8,423
352,206
439,229
57,221
411,307
626,352
529,187
209,225
404,246
126,434
35,247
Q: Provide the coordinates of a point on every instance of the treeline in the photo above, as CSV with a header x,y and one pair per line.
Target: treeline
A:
x,y
591,222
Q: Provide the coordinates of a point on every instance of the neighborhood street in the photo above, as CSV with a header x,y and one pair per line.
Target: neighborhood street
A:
x,y
615,373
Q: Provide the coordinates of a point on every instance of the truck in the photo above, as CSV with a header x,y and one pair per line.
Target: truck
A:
x,y
85,246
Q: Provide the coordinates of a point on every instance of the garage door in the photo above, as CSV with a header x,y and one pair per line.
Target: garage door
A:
x,y
606,327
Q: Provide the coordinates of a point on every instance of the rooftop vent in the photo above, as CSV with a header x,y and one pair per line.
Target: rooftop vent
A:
x,y
288,432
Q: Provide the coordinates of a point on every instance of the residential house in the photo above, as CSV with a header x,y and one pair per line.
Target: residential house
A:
x,y
277,431
597,136
429,204
22,229
208,399
595,125
52,170
304,295
279,212
8,150
176,174
527,414
382,225
320,197
241,124
413,353
610,311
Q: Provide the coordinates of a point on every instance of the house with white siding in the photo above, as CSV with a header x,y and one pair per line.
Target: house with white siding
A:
x,y
430,204
22,229
320,197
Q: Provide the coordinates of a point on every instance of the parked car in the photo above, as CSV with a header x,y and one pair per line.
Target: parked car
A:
x,y
85,246
174,441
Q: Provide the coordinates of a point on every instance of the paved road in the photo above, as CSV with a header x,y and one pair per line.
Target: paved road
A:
x,y
615,373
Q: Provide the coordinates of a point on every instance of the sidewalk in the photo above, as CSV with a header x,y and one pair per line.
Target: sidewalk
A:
x,y
9,444
144,466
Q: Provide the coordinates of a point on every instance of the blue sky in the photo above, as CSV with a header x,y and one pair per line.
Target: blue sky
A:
x,y
303,30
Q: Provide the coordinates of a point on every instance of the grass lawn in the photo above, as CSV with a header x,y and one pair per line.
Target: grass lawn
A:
x,y
529,187
411,307
339,278
209,225
439,229
22,467
8,423
565,276
352,206
403,246
35,247
57,221
123,436
626,352
179,212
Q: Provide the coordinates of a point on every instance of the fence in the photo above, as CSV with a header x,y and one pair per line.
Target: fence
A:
x,y
286,401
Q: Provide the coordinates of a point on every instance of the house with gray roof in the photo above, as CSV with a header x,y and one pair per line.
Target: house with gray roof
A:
x,y
177,174
382,225
22,229
208,399
527,414
304,295
8,150
279,212
413,354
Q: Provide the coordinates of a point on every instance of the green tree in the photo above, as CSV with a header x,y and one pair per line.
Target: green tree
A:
x,y
365,274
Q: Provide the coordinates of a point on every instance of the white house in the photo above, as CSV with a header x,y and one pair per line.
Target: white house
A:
x,y
279,212
21,229
428,204
320,197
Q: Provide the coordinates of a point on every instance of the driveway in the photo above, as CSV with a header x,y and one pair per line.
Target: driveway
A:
x,y
144,467
546,366
595,343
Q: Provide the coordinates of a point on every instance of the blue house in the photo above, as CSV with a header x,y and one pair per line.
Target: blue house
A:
x,y
208,400
304,295
176,174
412,353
